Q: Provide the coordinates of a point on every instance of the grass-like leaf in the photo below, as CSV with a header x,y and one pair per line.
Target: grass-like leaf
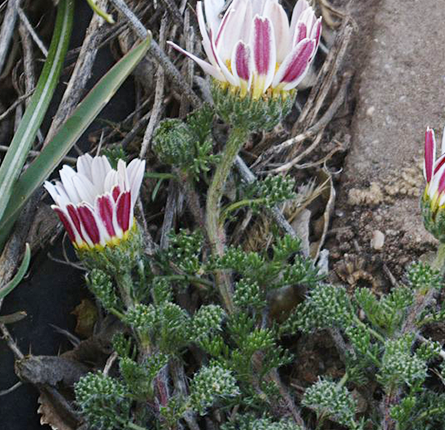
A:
x,y
32,119
4,291
69,133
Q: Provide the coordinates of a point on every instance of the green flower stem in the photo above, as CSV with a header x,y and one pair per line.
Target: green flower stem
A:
x,y
439,261
378,336
237,205
125,286
215,230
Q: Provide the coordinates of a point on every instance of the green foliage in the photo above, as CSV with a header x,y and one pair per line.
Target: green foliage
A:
x,y
399,365
326,306
249,296
103,401
389,312
270,191
329,399
250,422
139,377
101,285
211,383
423,277
114,154
206,322
271,273
187,145
185,251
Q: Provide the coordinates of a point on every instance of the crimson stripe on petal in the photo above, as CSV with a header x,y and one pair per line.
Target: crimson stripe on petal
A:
x,y
299,62
441,186
66,223
89,223
116,192
242,61
105,209
123,210
301,32
439,163
262,45
430,151
72,212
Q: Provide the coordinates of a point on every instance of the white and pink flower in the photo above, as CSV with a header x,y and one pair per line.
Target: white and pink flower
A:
x,y
96,203
254,47
434,170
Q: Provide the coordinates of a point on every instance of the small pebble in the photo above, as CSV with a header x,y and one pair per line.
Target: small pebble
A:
x,y
378,239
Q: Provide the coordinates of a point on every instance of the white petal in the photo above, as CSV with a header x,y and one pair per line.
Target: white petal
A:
x,y
212,10
85,188
299,8
435,181
225,71
443,141
84,164
205,36
111,180
211,70
234,25
135,172
280,23
66,175
122,175
99,170
57,193
258,6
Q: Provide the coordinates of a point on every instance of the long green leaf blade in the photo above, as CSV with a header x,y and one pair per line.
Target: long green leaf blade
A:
x,y
32,119
4,291
71,130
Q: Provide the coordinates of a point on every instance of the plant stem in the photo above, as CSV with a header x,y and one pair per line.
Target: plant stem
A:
x,y
215,230
234,206
125,285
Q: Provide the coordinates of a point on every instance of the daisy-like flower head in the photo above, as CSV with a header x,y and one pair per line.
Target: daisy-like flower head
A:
x,y
434,171
433,201
96,203
254,47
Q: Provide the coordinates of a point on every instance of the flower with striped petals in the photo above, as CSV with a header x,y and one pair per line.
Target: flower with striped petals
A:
x,y
254,49
96,203
433,200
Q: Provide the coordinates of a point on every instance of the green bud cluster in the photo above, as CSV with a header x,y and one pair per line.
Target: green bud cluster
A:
x,y
249,422
271,191
399,365
186,145
185,251
206,322
248,113
139,377
327,306
328,398
102,287
115,260
211,383
433,220
249,295
423,277
103,401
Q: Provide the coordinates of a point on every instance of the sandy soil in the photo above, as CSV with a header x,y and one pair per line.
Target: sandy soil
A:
x,y
398,90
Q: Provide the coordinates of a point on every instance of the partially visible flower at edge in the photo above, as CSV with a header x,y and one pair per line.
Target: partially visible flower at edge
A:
x,y
433,199
254,48
96,203
434,172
